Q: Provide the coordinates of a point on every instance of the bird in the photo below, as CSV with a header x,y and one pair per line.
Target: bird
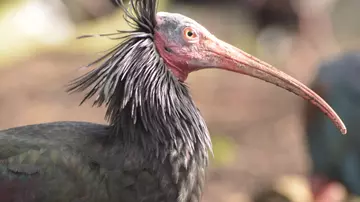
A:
x,y
156,145
335,160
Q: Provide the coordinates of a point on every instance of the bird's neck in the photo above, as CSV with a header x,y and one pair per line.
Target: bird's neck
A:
x,y
168,127
160,115
147,106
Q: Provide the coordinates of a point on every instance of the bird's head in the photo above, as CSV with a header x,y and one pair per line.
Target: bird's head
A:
x,y
187,46
164,48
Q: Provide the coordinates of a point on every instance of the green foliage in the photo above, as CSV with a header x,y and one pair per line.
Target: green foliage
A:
x,y
224,150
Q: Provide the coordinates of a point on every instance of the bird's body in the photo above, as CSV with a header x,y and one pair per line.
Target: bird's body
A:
x,y
76,161
156,146
334,158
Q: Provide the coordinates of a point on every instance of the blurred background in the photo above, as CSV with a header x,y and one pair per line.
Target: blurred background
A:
x,y
257,129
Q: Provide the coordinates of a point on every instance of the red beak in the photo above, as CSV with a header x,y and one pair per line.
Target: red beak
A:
x,y
224,56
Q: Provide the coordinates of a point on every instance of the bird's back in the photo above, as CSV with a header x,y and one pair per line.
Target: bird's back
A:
x,y
76,161
333,154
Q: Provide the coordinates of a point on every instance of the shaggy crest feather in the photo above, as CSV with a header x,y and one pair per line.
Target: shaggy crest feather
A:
x,y
141,94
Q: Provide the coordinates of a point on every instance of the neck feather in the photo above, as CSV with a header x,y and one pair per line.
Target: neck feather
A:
x,y
145,102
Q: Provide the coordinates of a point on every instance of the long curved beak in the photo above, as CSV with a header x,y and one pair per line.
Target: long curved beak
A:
x,y
225,56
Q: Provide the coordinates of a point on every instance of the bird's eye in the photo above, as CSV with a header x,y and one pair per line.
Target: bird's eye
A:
x,y
190,34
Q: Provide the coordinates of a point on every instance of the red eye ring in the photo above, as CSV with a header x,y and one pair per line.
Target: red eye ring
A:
x,y
189,33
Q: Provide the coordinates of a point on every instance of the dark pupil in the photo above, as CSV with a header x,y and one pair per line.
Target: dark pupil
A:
x,y
190,33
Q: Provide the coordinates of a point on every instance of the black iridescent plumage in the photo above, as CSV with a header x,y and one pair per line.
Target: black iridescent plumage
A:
x,y
156,146
155,149
134,82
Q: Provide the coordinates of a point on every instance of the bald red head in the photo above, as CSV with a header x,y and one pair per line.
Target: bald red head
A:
x,y
186,46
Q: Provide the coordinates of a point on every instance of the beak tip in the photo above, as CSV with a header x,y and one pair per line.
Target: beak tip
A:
x,y
343,130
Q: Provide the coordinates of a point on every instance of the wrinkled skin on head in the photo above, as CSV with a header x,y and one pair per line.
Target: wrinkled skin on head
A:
x,y
186,46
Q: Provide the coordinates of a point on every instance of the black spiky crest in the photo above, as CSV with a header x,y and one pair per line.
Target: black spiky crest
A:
x,y
145,101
